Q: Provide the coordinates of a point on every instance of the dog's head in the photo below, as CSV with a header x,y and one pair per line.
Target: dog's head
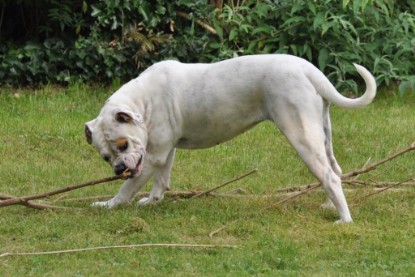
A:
x,y
120,137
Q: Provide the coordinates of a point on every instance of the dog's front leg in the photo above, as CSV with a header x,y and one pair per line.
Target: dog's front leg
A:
x,y
161,182
128,190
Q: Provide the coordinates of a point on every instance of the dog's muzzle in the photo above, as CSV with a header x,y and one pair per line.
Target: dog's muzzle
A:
x,y
130,164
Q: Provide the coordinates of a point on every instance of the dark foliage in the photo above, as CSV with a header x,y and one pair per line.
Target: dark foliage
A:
x,y
53,41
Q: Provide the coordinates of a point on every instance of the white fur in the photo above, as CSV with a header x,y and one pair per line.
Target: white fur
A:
x,y
201,105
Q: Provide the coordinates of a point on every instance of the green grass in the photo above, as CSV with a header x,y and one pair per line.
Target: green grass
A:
x,y
43,148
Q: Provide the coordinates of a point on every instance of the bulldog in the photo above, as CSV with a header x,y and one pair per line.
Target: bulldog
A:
x,y
175,105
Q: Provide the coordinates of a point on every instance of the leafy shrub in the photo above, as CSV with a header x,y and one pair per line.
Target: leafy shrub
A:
x,y
101,40
331,34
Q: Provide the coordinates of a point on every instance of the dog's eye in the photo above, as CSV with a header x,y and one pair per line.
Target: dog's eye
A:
x,y
122,144
106,158
123,147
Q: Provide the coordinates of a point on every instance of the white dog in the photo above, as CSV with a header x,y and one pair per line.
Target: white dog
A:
x,y
174,105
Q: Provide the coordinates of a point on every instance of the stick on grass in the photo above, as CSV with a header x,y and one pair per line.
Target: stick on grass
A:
x,y
24,199
226,183
385,188
172,245
374,166
348,175
31,204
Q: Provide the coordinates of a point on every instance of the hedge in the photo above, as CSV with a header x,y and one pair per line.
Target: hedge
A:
x,y
51,41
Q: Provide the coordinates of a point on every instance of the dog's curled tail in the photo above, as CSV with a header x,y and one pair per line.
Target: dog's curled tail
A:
x,y
328,91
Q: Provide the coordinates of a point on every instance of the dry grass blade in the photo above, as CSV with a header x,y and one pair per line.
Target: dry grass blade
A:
x,y
175,245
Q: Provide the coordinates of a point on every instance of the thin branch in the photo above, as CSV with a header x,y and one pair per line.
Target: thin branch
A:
x,y
384,189
305,190
32,204
376,184
374,166
211,234
24,199
348,175
173,245
226,183
204,25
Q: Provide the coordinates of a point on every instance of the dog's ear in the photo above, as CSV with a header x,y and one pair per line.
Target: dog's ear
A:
x,y
123,117
128,117
89,127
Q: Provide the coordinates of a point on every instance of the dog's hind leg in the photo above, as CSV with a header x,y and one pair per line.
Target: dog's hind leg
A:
x,y
329,151
305,132
328,141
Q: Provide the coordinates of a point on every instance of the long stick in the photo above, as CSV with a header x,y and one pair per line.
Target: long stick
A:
x,y
226,183
310,187
30,204
305,190
25,199
386,188
118,247
374,166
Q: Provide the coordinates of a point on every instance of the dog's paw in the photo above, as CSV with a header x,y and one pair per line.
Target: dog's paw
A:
x,y
342,221
148,201
104,204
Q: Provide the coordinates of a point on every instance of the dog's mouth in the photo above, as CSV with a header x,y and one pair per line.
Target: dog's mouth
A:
x,y
137,169
127,165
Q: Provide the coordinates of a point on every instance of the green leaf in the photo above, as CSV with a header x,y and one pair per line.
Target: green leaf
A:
x,y
114,24
95,11
312,6
323,56
296,7
262,29
294,20
218,29
233,33
215,45
84,7
345,3
319,19
325,26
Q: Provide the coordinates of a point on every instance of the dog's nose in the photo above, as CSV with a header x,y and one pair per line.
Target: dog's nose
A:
x,y
120,168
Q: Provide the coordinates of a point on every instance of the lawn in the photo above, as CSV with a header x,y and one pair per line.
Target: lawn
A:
x,y
43,148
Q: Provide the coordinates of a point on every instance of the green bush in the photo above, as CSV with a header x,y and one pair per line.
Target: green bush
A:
x,y
102,40
331,34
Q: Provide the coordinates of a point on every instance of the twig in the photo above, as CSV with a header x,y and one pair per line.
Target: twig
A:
x,y
305,190
374,166
211,234
375,184
118,247
350,174
181,194
25,199
292,188
384,189
32,204
226,183
204,25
